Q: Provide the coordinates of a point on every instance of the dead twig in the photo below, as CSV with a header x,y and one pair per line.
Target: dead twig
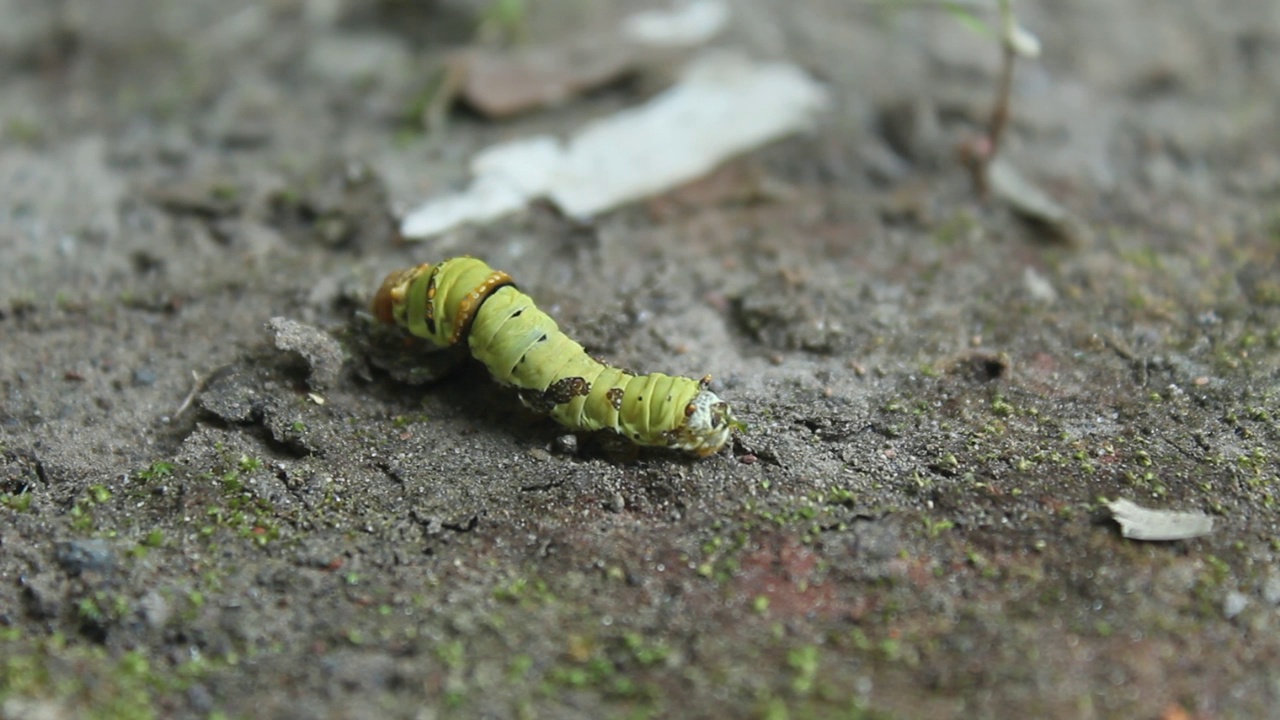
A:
x,y
978,153
196,386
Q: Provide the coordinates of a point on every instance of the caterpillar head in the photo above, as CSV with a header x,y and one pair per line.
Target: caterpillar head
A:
x,y
707,426
389,302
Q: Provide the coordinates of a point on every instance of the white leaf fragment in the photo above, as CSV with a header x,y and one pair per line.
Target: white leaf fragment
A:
x,y
724,104
507,175
1024,42
1139,523
686,24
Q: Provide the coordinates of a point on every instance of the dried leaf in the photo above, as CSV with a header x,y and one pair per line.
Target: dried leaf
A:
x,y
1139,523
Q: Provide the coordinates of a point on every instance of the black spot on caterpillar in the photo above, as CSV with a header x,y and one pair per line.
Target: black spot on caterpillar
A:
x,y
465,299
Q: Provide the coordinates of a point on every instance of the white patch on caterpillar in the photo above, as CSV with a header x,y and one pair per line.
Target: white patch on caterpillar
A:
x,y
708,427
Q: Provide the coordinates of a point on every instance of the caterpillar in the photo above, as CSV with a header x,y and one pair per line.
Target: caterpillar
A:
x,y
463,299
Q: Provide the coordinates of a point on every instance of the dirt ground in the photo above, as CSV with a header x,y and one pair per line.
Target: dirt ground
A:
x,y
195,522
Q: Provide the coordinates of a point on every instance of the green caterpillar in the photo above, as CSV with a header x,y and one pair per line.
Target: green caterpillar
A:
x,y
465,299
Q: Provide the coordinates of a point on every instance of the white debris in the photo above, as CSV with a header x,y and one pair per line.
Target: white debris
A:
x,y
487,199
528,165
1038,286
723,105
689,23
1030,202
1139,523
508,176
1024,42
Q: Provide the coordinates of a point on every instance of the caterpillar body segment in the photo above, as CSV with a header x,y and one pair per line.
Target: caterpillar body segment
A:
x,y
522,346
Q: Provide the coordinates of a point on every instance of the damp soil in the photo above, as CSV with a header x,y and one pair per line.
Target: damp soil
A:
x,y
220,498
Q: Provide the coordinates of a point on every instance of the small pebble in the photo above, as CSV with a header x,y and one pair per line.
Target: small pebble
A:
x,y
565,444
156,610
144,377
1271,589
1234,604
616,503
79,556
321,351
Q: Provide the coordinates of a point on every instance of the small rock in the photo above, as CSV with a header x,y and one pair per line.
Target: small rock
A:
x,y
200,698
360,671
144,377
565,445
322,353
876,540
173,146
1038,286
616,503
207,197
46,593
911,127
1160,172
1034,205
80,556
882,164
231,396
1234,603
156,611
1271,589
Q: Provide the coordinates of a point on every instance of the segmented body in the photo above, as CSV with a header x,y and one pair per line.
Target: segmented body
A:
x,y
465,299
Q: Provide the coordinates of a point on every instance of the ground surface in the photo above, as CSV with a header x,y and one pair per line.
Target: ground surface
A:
x,y
940,398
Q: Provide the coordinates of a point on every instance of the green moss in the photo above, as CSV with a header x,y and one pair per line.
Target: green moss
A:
x,y
519,667
23,131
840,496
250,464
958,226
20,502
88,681
947,463
451,654
934,528
1000,407
804,661
403,421
644,651
503,22
524,592
81,519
